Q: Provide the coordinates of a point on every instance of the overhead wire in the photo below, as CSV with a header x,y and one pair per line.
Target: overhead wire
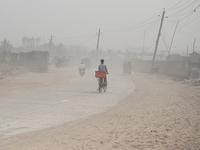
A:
x,y
78,36
179,31
90,38
139,28
164,40
185,23
147,30
177,14
182,45
141,32
196,8
194,20
184,12
192,28
175,5
163,37
131,26
180,5
165,43
188,15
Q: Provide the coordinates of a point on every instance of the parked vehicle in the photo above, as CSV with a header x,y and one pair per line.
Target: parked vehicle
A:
x,y
127,67
38,61
61,61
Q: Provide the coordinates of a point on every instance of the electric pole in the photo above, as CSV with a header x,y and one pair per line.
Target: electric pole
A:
x,y
157,41
194,45
4,45
50,42
173,37
143,44
98,44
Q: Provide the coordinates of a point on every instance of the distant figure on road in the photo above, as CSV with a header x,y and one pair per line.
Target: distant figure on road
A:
x,y
127,67
124,67
82,69
82,66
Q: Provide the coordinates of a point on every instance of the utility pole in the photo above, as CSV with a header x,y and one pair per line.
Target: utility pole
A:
x,y
50,42
157,41
194,45
187,49
173,37
143,44
4,45
98,44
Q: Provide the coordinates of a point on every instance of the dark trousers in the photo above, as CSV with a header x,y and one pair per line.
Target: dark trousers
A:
x,y
103,79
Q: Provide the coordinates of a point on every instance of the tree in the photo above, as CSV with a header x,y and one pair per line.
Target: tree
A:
x,y
6,46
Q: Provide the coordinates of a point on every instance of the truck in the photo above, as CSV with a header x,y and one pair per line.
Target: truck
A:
x,y
38,61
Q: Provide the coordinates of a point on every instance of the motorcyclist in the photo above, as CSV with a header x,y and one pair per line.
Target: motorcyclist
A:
x,y
82,66
82,69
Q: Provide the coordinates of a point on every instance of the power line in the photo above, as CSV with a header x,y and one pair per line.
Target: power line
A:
x,y
177,14
175,5
192,28
180,5
173,37
181,32
196,8
131,26
148,30
78,36
165,43
137,30
188,15
194,19
185,23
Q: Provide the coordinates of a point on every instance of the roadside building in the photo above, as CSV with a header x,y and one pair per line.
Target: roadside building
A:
x,y
179,57
177,65
143,63
194,69
195,57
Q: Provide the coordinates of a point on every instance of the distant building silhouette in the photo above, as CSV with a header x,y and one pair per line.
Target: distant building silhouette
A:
x,y
28,42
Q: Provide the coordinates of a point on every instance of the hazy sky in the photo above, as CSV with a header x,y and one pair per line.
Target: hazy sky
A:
x,y
122,22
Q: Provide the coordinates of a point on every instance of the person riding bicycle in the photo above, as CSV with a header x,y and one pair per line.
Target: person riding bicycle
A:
x,y
103,67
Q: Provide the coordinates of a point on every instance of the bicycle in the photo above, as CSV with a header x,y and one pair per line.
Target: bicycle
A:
x,y
102,80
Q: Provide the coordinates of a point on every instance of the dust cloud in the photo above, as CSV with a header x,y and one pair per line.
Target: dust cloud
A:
x,y
50,97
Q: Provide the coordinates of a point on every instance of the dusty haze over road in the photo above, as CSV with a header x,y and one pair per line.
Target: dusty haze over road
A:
x,y
61,110
122,23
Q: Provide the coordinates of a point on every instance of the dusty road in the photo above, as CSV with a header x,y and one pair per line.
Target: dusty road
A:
x,y
64,111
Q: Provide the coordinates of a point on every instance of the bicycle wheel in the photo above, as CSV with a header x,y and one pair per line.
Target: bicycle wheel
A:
x,y
100,85
100,89
105,87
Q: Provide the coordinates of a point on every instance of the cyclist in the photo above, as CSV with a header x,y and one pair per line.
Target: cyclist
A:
x,y
103,67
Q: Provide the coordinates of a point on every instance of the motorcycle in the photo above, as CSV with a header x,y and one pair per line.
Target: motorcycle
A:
x,y
82,72
101,75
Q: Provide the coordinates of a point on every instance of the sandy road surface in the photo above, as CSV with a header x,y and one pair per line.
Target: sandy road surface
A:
x,y
158,114
36,101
